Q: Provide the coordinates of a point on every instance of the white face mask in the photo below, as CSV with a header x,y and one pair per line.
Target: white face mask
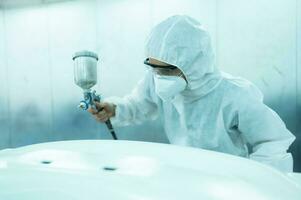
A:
x,y
167,87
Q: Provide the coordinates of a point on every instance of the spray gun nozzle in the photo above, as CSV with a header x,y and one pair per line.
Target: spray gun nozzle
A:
x,y
83,105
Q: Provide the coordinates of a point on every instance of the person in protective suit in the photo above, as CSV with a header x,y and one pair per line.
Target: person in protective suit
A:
x,y
200,106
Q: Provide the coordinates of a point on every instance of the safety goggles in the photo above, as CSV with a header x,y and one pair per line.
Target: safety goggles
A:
x,y
167,70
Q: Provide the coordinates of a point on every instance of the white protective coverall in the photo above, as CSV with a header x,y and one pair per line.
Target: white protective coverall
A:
x,y
216,111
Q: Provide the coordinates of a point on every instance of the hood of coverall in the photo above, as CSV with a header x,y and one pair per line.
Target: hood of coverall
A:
x,y
180,41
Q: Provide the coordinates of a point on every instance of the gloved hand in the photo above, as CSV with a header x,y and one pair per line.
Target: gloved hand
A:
x,y
103,111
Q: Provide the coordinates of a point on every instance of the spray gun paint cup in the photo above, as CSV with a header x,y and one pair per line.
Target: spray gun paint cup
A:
x,y
85,76
85,69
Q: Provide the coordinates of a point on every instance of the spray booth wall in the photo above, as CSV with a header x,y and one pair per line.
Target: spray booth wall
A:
x,y
257,39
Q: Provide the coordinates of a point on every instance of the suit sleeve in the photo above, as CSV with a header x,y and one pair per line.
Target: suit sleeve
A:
x,y
140,105
264,130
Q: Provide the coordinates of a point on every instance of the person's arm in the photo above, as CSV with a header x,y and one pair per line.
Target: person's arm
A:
x,y
139,106
265,132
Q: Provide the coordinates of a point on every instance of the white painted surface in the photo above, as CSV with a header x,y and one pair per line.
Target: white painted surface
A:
x,y
75,170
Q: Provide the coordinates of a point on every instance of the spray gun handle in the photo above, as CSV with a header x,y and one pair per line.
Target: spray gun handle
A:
x,y
96,98
109,126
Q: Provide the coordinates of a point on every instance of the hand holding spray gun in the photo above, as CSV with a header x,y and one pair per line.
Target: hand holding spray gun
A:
x,y
85,76
103,111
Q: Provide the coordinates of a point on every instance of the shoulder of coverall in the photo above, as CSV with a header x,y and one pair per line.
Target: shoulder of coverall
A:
x,y
240,89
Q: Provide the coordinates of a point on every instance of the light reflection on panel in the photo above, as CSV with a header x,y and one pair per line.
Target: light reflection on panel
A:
x,y
4,120
28,70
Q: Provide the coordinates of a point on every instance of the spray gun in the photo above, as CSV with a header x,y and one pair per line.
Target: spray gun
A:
x,y
85,76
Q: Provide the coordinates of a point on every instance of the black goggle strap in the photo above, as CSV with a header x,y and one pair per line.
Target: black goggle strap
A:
x,y
159,66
